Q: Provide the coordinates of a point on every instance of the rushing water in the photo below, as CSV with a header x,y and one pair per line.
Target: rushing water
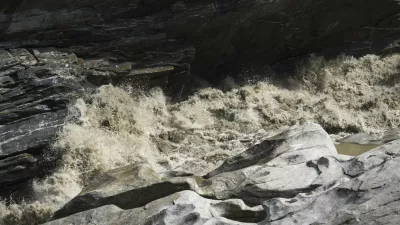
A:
x,y
117,127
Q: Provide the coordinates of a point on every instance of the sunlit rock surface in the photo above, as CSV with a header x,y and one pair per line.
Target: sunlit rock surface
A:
x,y
327,189
370,194
184,207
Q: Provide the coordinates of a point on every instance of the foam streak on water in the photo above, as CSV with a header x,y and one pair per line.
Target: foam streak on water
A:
x,y
115,127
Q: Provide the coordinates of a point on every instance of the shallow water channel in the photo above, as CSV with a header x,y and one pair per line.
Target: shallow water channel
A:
x,y
353,149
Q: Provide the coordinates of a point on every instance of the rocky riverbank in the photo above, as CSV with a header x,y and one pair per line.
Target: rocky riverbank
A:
x,y
199,112
61,130
295,177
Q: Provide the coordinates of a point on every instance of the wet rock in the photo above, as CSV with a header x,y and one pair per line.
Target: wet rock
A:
x,y
30,135
23,56
34,94
17,168
6,59
36,87
122,74
181,208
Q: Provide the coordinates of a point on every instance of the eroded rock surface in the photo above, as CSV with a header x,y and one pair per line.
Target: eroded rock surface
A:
x,y
127,187
298,144
180,208
370,195
301,162
321,187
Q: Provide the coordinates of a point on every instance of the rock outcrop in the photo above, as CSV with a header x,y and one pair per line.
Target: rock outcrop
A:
x,y
296,162
35,92
321,187
36,87
369,195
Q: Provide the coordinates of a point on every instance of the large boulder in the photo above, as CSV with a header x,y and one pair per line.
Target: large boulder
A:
x,y
304,160
298,144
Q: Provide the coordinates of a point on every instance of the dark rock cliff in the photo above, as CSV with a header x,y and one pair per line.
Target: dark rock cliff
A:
x,y
150,33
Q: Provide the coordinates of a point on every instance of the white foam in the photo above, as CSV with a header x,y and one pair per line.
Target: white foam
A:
x,y
117,128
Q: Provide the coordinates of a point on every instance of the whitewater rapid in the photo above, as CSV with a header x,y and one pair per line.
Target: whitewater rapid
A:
x,y
116,126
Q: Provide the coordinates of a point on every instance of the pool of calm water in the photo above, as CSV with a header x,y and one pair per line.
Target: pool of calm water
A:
x,y
353,149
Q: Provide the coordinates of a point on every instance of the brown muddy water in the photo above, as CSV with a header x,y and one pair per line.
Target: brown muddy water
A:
x,y
353,149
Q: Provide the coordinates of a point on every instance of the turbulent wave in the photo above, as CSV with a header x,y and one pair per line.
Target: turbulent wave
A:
x,y
116,127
